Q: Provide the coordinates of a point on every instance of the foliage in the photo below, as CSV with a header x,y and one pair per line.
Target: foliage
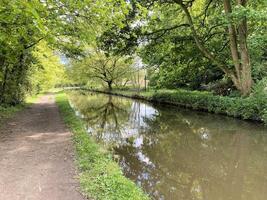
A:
x,y
64,25
187,43
101,177
16,59
48,71
160,32
260,89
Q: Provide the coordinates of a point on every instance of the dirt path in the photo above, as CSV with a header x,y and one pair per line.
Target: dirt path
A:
x,y
36,156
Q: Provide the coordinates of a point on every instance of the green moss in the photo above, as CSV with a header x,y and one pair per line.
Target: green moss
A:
x,y
100,176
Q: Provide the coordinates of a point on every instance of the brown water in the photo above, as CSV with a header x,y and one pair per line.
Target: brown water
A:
x,y
179,154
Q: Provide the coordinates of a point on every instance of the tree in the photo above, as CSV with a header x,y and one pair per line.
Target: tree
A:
x,y
241,74
99,67
16,58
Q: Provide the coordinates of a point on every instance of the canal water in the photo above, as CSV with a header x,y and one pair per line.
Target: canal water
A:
x,y
179,154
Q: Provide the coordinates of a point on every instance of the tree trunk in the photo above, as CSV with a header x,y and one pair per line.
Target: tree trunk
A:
x,y
3,88
109,85
233,39
246,77
243,80
241,75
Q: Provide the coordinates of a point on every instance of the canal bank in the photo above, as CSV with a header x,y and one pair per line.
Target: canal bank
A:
x,y
100,177
246,108
176,153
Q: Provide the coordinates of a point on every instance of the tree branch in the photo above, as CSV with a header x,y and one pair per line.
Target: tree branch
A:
x,y
199,44
33,44
206,12
164,30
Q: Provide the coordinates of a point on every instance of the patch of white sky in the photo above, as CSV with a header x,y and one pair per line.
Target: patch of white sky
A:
x,y
138,63
64,60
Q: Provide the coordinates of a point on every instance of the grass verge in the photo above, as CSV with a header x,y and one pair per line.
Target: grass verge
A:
x,y
252,108
8,111
100,177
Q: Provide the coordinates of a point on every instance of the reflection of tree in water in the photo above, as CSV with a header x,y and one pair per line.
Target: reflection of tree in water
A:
x,y
179,154
105,117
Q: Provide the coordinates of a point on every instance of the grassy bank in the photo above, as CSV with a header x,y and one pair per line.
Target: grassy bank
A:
x,y
100,177
252,108
8,111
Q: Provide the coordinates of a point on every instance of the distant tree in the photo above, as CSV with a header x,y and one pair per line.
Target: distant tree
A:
x,y
99,67
47,71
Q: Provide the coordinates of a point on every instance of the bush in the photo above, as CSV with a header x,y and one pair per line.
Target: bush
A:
x,y
253,107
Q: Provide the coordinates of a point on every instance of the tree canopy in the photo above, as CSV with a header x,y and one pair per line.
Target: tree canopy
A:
x,y
184,34
183,43
65,26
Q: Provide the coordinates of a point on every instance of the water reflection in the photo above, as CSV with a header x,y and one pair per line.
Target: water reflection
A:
x,y
179,154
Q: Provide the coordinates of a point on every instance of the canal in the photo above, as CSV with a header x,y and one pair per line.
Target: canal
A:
x,y
178,154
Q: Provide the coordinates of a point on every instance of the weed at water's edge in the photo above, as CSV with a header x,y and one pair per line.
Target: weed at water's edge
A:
x,y
100,177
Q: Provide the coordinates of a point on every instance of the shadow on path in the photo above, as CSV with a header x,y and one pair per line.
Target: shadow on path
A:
x,y
36,156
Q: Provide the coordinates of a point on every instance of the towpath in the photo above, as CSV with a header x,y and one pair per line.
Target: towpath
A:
x,y
36,156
